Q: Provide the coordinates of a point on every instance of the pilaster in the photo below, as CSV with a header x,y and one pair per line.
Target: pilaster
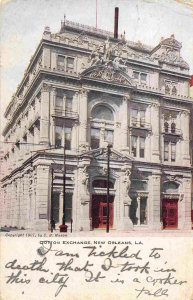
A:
x,y
45,111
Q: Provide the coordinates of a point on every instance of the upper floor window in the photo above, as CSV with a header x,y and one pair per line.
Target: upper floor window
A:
x,y
138,146
140,77
102,112
95,138
61,61
63,138
109,136
169,151
69,103
171,87
59,102
138,117
65,63
70,64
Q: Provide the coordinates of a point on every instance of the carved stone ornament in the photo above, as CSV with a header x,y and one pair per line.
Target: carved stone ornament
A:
x,y
85,179
45,87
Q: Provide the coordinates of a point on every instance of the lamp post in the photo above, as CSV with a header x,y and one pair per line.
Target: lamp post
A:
x,y
52,222
108,176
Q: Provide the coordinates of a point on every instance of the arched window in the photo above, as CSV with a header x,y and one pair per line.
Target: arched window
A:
x,y
167,89
174,91
102,112
166,126
173,128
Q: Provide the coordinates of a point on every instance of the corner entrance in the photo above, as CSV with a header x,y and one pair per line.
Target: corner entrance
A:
x,y
99,211
170,213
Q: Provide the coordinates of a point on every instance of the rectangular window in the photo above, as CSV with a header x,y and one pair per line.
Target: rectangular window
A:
x,y
56,207
143,211
68,138
59,102
69,104
134,113
135,75
142,118
61,62
173,151
109,136
68,207
58,136
134,145
143,77
95,138
141,147
70,64
166,151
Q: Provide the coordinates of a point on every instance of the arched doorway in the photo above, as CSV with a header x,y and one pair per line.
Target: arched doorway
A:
x,y
99,204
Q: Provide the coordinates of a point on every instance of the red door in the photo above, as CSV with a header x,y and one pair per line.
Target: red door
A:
x,y
170,213
99,211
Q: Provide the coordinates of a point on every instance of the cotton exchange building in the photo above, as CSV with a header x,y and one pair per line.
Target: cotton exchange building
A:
x,y
84,90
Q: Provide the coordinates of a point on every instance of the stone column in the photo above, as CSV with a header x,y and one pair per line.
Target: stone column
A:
x,y
42,197
26,204
83,222
75,103
185,142
45,111
186,223
52,118
74,145
156,200
124,124
155,141
83,118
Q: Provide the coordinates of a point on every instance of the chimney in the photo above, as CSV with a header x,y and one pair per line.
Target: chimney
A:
x,y
116,22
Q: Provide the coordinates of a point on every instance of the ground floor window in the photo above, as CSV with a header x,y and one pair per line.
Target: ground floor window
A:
x,y
68,207
56,207
138,211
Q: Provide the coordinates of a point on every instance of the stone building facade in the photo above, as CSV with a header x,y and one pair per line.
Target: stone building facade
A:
x,y
83,89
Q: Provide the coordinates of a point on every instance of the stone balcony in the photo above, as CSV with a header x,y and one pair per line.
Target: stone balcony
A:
x,y
175,132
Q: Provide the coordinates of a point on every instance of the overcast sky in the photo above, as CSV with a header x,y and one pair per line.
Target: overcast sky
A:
x,y
23,22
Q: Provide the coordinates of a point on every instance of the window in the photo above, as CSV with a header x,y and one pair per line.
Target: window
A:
x,y
70,64
134,113
56,206
141,147
138,146
140,77
173,128
68,138
61,62
166,127
68,207
142,118
95,138
134,145
167,89
143,211
173,151
102,112
109,136
174,91
166,151
102,183
59,102
58,136
138,211
69,104
169,151
143,77
135,75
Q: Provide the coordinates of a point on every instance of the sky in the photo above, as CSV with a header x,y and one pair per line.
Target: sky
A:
x,y
22,23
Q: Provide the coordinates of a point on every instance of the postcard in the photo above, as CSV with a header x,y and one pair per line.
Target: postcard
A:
x,y
96,149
